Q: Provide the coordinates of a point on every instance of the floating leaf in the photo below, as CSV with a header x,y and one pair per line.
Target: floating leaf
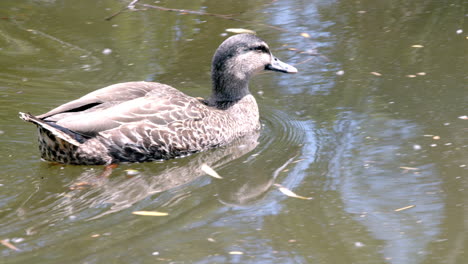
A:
x,y
404,208
305,35
299,160
150,213
290,193
132,172
240,30
81,186
409,168
208,170
9,245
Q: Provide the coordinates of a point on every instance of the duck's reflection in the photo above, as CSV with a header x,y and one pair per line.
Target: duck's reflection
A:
x,y
130,184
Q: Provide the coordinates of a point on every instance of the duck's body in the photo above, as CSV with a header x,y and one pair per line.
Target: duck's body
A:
x,y
144,121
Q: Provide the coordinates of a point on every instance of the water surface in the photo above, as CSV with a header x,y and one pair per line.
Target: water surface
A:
x,y
372,123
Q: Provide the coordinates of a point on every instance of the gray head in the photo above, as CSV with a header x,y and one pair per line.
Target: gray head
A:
x,y
236,60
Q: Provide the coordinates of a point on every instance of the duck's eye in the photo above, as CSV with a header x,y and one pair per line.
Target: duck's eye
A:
x,y
259,48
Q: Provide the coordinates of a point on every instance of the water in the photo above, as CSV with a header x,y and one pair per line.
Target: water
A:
x,y
373,122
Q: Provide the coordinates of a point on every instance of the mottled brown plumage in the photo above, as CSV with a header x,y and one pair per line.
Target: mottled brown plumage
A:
x,y
144,121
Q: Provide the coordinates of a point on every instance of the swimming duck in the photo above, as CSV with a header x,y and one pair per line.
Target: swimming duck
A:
x,y
146,121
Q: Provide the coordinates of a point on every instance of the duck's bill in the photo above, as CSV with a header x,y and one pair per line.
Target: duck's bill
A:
x,y
279,66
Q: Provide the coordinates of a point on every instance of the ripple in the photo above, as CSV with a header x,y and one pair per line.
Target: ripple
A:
x,y
280,131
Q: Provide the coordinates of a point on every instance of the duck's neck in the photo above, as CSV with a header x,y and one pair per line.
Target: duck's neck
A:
x,y
229,86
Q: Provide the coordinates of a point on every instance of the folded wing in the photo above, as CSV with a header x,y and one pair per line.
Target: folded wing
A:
x,y
125,103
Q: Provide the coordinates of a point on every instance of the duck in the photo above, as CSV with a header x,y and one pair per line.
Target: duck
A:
x,y
148,121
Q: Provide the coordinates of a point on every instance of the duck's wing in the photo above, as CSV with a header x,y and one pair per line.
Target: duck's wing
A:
x,y
156,108
107,97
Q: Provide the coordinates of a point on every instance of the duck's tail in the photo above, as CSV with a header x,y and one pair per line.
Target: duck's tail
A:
x,y
58,131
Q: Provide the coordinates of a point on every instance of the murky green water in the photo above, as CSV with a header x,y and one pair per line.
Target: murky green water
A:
x,y
373,122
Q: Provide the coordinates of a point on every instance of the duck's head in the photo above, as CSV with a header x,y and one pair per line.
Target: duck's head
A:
x,y
236,60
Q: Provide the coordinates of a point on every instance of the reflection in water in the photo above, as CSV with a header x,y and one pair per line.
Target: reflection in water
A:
x,y
372,190
109,195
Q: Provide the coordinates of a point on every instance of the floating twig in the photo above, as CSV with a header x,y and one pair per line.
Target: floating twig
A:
x,y
150,213
130,6
187,11
404,208
231,17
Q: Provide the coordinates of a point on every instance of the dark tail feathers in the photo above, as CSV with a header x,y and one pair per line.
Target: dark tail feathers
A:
x,y
58,131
